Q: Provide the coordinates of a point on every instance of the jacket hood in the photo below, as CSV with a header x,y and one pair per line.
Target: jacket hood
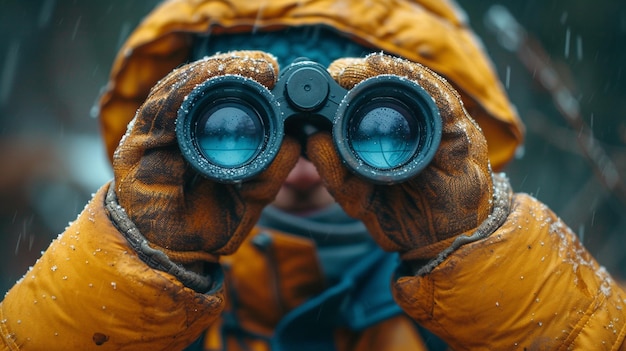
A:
x,y
431,32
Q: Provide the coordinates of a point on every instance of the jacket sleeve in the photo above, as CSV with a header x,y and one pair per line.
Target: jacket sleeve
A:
x,y
89,288
530,286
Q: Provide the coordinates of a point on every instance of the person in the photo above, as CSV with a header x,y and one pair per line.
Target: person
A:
x,y
307,255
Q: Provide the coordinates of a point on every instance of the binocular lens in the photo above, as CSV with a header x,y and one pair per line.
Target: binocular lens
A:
x,y
386,128
230,133
227,128
384,134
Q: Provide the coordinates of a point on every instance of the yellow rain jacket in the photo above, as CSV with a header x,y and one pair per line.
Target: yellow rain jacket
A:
x,y
529,286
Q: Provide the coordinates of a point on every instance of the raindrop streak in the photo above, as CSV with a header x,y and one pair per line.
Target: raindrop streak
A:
x,y
76,27
23,235
581,233
45,13
508,76
124,32
17,246
579,48
259,17
567,40
8,71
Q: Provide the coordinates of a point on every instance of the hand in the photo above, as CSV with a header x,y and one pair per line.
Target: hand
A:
x,y
178,211
453,195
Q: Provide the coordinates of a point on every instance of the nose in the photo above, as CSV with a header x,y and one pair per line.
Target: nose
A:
x,y
303,176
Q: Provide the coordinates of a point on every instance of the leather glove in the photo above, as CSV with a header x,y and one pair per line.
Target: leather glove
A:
x,y
453,195
179,212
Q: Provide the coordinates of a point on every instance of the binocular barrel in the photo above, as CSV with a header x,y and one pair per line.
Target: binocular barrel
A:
x,y
386,129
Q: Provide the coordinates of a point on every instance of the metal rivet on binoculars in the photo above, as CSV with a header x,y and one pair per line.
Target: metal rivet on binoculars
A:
x,y
386,129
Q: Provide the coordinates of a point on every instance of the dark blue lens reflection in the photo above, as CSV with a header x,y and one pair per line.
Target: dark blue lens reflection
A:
x,y
230,134
384,134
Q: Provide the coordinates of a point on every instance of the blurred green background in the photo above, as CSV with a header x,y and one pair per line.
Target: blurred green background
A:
x,y
55,57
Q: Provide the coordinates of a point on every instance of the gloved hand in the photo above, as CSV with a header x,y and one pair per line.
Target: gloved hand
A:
x,y
453,195
179,212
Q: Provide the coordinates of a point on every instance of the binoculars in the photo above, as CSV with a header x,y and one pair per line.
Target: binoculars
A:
x,y
386,129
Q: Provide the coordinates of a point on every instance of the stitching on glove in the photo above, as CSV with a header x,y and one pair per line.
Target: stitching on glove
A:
x,y
502,197
154,258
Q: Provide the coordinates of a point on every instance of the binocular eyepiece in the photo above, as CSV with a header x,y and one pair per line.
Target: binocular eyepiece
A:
x,y
386,129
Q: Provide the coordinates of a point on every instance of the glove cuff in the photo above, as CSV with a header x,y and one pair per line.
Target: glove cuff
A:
x,y
502,197
156,258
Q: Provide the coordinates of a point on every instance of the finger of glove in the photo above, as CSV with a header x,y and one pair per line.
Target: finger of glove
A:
x,y
348,72
241,204
149,149
245,55
263,188
359,198
349,191
336,70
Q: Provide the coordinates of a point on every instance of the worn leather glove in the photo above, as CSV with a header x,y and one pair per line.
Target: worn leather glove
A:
x,y
179,212
452,196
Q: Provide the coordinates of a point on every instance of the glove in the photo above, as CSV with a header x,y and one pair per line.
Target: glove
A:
x,y
453,195
180,213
